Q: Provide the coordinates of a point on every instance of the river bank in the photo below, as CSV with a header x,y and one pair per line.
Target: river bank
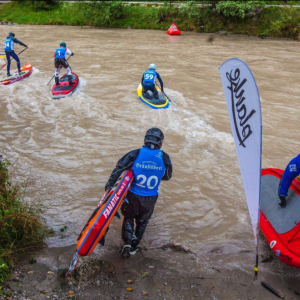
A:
x,y
271,22
155,274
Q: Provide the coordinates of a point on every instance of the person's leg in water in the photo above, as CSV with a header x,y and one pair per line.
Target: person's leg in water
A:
x,y
129,210
147,204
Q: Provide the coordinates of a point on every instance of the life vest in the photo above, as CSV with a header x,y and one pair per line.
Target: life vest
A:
x,y
9,44
148,169
149,77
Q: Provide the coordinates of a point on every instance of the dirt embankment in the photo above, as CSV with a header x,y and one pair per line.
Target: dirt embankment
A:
x,y
168,273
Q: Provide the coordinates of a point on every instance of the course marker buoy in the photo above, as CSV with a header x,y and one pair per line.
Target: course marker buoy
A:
x,y
173,30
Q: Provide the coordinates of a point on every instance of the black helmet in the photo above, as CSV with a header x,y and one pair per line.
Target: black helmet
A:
x,y
11,34
154,136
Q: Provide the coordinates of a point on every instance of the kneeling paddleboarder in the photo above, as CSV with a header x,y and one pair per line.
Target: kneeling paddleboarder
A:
x,y
290,173
61,61
148,81
150,165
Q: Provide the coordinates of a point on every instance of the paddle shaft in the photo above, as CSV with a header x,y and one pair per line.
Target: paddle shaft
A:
x,y
10,60
164,92
54,74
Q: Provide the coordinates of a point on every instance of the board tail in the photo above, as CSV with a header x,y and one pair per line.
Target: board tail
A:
x,y
73,264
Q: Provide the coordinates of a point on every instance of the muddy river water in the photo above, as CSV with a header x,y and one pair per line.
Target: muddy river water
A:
x,y
65,149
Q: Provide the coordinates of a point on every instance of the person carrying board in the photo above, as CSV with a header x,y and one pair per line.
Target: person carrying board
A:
x,y
150,165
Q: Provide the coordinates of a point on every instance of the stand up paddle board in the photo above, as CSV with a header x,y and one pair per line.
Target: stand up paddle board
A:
x,y
16,77
2,54
161,102
95,229
64,89
281,226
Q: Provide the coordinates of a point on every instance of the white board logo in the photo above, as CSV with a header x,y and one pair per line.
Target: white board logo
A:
x,y
272,244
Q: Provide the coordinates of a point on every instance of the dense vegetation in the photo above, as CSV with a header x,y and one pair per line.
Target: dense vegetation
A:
x,y
242,17
21,229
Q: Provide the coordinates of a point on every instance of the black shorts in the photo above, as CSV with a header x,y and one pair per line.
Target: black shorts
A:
x,y
61,62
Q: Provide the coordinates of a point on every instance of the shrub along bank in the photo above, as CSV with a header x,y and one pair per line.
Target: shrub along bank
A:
x,y
21,229
236,17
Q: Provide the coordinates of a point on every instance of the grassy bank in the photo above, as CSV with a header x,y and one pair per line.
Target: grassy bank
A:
x,y
271,22
21,229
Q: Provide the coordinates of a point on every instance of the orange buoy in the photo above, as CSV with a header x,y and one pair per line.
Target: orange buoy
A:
x,y
173,30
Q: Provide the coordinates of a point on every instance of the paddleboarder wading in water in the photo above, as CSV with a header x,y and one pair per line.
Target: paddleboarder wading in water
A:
x,y
150,165
290,173
9,45
61,61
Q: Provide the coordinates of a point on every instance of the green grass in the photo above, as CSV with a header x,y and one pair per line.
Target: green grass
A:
x,y
272,22
21,228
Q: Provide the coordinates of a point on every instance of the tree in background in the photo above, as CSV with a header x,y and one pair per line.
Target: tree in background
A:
x,y
240,9
39,4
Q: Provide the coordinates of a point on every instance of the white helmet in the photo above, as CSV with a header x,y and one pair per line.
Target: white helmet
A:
x,y
152,67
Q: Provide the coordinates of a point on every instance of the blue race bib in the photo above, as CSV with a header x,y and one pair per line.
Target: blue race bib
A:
x,y
148,169
150,76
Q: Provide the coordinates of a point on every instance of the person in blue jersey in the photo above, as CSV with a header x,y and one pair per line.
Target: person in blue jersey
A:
x,y
290,173
150,165
9,45
148,81
60,60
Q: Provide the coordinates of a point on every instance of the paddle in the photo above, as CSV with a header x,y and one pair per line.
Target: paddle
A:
x,y
60,67
10,60
163,92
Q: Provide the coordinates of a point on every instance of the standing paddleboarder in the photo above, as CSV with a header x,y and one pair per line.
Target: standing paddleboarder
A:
x,y
10,53
291,171
150,165
61,61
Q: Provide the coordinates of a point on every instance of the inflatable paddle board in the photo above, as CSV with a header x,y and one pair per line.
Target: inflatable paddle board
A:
x,y
161,102
64,89
280,226
2,54
95,229
16,77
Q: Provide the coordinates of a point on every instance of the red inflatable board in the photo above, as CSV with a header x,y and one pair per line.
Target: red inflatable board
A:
x,y
281,226
173,30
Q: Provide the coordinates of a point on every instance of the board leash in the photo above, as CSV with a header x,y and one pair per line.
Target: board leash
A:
x,y
10,60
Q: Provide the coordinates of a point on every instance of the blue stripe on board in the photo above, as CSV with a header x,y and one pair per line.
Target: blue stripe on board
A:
x,y
107,219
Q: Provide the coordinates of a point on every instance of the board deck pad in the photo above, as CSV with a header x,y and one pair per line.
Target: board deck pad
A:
x,y
282,219
64,89
161,102
161,99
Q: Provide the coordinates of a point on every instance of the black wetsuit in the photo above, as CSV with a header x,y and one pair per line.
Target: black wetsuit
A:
x,y
136,207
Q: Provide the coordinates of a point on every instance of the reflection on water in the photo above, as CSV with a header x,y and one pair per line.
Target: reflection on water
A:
x,y
70,146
